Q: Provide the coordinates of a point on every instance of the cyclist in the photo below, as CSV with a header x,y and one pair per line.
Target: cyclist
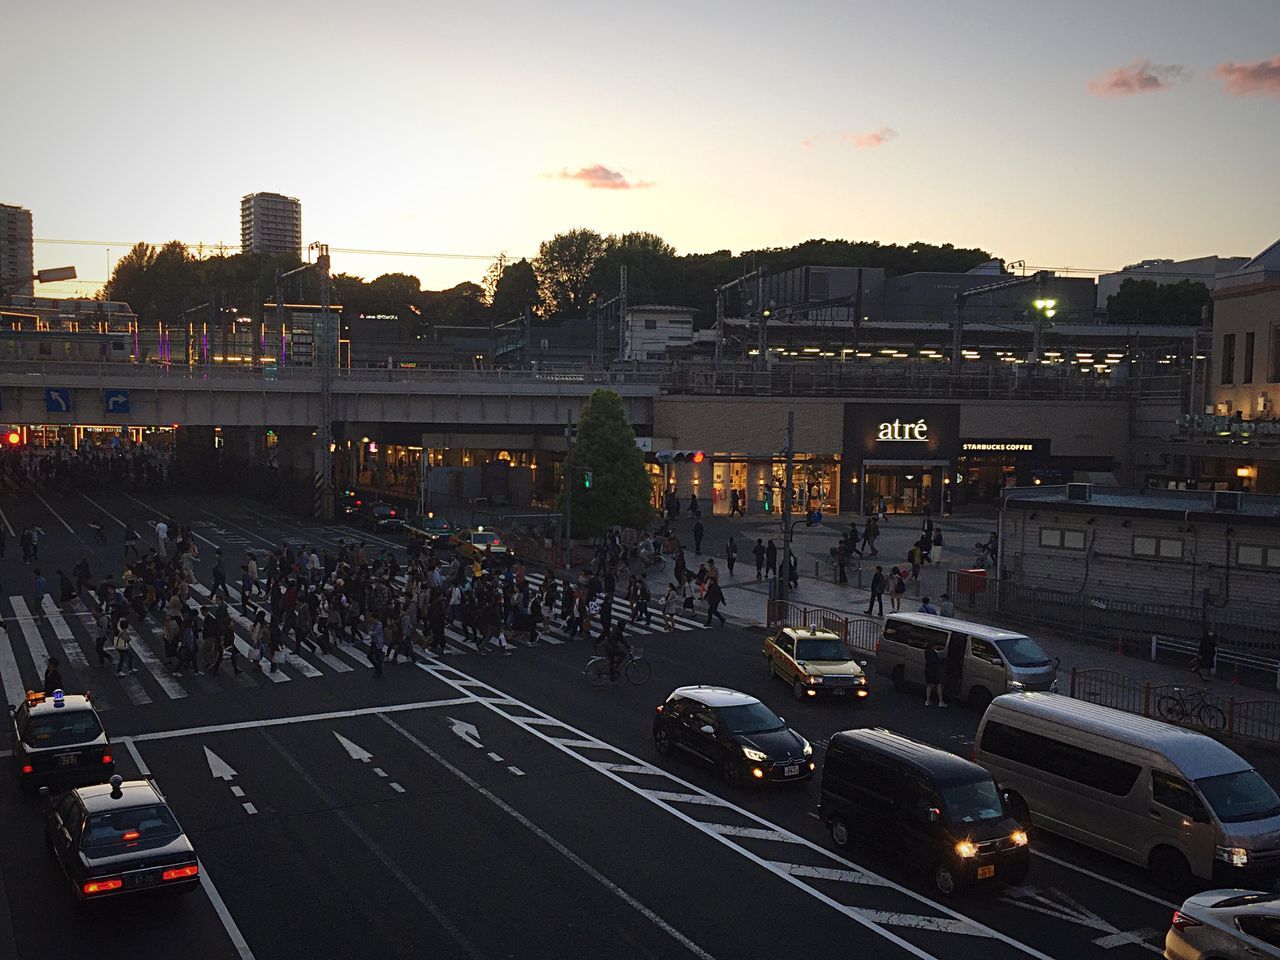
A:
x,y
617,649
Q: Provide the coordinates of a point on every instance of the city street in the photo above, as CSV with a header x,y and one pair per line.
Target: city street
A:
x,y
486,808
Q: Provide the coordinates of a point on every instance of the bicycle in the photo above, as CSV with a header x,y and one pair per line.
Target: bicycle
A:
x,y
1180,707
635,668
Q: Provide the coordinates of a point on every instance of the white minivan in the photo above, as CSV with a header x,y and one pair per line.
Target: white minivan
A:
x,y
1177,802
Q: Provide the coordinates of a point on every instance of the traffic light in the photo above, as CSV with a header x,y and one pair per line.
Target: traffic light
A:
x,y
1047,307
586,479
698,456
14,438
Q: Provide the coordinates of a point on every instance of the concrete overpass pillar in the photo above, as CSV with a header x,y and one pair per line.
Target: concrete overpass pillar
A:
x,y
195,458
296,459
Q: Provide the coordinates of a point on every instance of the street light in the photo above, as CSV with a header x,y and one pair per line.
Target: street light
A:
x,y
51,275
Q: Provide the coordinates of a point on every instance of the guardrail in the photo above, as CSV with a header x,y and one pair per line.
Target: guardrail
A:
x,y
1187,706
857,632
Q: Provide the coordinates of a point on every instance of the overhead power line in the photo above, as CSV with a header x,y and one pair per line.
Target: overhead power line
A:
x,y
202,245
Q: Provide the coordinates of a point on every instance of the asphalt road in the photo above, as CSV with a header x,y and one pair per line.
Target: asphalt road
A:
x,y
489,808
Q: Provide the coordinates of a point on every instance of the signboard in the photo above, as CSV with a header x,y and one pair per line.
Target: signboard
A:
x,y
57,399
901,431
115,401
1036,448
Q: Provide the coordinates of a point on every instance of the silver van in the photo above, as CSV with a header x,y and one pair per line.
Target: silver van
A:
x,y
1177,802
981,662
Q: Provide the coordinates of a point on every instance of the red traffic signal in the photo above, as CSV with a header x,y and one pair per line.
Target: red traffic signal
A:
x,y
14,438
698,456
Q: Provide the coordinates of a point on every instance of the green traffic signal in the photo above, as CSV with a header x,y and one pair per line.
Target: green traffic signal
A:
x,y
586,479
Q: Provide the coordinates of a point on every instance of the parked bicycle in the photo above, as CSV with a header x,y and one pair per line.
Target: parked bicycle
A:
x,y
635,668
1183,706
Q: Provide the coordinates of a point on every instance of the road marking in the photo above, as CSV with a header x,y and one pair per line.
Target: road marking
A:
x,y
1054,903
106,512
379,771
249,808
30,633
516,771
282,721
143,769
1138,938
228,922
396,787
354,750
555,844
673,797
158,671
219,768
5,518
14,691
467,731
917,922
56,514
623,767
751,833
1107,880
495,758
828,873
237,791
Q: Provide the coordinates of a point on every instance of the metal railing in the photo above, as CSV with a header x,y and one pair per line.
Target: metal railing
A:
x,y
1197,708
858,632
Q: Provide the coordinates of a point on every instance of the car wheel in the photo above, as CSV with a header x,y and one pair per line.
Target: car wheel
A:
x,y
799,691
841,835
899,677
979,697
731,772
1170,870
945,879
662,741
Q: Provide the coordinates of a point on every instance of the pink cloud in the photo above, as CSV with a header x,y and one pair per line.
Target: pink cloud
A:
x,y
1247,79
599,177
870,139
1138,76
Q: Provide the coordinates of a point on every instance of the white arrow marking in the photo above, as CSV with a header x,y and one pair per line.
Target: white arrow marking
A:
x,y
220,769
1063,907
354,750
117,399
467,731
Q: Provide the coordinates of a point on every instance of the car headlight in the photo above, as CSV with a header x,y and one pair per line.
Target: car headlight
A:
x,y
860,680
966,849
759,756
1019,838
812,679
1014,685
1236,856
808,749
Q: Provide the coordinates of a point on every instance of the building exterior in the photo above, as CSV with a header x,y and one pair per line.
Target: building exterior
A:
x,y
1205,270
1214,553
271,223
930,297
17,260
810,290
651,332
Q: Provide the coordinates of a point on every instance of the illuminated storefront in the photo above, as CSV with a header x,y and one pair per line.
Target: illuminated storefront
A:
x,y
902,454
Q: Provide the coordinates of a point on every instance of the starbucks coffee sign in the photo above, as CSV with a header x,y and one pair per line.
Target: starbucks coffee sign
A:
x,y
895,431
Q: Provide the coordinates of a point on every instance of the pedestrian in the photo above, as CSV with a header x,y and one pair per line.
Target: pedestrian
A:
x,y
665,608
66,589
81,574
926,530
793,570
36,534
915,555
40,588
162,538
124,653
842,561
220,574
897,588
935,554
715,597
771,560
1206,654
258,645
758,551
947,608
882,508
377,644
934,672
695,511
643,598
878,584
927,607
698,531
24,539
735,504
103,619
730,554
870,534
52,677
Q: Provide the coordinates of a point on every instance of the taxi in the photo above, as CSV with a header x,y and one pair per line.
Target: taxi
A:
x,y
118,838
59,739
477,543
814,662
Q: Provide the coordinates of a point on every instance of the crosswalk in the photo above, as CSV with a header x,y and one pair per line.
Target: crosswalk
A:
x,y
31,636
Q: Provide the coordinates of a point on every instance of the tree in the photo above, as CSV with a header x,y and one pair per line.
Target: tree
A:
x,y
1145,301
606,446
514,290
563,267
652,269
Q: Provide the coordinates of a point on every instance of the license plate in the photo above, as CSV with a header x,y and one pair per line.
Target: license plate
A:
x,y
839,692
791,771
987,871
144,879
68,759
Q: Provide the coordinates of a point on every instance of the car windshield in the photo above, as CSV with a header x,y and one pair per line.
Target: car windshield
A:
x,y
1023,652
821,648
61,729
750,718
972,802
130,825
482,538
1236,797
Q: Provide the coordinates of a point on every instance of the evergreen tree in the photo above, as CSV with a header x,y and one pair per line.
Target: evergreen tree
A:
x,y
606,447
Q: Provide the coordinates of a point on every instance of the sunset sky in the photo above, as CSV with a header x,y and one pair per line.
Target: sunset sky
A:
x,y
1087,134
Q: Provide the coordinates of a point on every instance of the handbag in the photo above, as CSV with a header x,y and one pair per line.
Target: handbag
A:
x,y
688,603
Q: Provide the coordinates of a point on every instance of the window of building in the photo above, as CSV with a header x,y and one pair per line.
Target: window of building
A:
x,y
1246,375
1228,359
1273,367
1162,548
651,323
1256,555
1060,539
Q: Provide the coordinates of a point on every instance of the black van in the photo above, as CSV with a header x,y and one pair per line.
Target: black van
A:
x,y
924,805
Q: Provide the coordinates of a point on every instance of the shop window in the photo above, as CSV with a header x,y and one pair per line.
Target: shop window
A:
x,y
1060,539
1228,359
1159,548
1255,555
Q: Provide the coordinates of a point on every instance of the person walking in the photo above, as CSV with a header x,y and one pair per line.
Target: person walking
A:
x,y
882,508
771,560
758,552
735,504
52,677
669,602
714,597
915,555
698,531
870,534
730,554
642,600
219,574
935,553
935,666
695,511
1206,653
39,588
878,584
104,634
124,653
377,644
897,588
793,570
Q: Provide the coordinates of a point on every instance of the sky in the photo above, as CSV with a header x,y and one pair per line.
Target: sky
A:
x,y
1087,135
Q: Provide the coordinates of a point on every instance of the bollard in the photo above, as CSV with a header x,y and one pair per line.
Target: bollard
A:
x,y
1153,648
858,571
1146,699
1235,672
1073,681
1231,715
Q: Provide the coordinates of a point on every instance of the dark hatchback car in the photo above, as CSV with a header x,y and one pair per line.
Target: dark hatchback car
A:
x,y
118,838
923,807
383,516
432,531
59,740
733,732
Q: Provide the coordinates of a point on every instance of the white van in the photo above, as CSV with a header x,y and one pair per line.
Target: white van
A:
x,y
982,661
1174,801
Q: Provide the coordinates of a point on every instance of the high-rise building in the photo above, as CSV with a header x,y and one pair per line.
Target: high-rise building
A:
x,y
270,223
17,261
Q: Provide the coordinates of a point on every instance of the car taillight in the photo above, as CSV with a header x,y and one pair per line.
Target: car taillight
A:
x,y
393,513
130,835
497,542
106,758
659,708
1182,922
359,502
27,768
102,886
181,873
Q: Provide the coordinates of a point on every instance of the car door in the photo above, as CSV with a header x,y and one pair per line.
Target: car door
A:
x,y
955,682
64,830
916,829
984,667
1179,817
706,745
784,659
1261,934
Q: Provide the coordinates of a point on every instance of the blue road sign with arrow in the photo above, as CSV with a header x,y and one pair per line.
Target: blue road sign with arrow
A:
x,y
57,399
115,401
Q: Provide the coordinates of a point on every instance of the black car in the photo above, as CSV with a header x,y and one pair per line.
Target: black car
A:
x,y
923,806
347,502
734,732
432,530
119,838
59,740
383,516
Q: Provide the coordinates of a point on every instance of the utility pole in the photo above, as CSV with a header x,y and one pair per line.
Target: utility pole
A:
x,y
622,314
325,343
568,490
719,325
762,311
784,575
